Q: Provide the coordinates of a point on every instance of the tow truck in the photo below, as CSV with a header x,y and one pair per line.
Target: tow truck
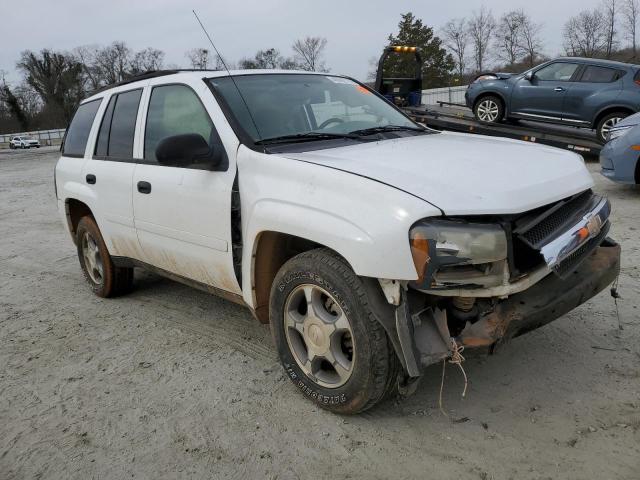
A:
x,y
406,93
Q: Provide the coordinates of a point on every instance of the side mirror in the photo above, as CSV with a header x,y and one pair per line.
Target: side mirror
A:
x,y
184,150
529,76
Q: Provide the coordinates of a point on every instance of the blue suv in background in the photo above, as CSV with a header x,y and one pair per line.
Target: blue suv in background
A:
x,y
579,92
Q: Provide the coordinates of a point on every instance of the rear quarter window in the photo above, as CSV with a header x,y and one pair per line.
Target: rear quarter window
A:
x,y
594,74
75,140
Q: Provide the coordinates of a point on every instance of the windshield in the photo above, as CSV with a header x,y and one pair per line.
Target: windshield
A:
x,y
284,105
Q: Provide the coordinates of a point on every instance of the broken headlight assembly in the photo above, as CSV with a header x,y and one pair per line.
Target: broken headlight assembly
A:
x,y
457,254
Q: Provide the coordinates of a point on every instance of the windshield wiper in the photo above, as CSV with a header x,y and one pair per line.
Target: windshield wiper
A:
x,y
387,128
307,136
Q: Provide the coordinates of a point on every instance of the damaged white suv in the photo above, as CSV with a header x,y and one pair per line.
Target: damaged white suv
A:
x,y
373,246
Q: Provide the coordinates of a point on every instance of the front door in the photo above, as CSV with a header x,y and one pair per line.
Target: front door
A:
x,y
543,96
183,214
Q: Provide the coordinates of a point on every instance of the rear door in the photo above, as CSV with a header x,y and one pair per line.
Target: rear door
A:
x,y
183,214
109,173
597,87
542,97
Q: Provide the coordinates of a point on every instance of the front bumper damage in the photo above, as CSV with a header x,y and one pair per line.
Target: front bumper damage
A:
x,y
422,337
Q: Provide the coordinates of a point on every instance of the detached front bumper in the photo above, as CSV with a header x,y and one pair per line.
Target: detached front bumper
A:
x,y
425,338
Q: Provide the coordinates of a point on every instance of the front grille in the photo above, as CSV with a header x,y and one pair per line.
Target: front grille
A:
x,y
540,227
570,263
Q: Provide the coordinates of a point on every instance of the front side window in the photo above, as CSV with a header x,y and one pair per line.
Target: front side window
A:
x,y
117,130
559,72
594,74
276,105
175,110
75,140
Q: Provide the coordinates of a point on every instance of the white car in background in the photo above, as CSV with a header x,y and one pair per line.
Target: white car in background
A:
x,y
24,141
373,246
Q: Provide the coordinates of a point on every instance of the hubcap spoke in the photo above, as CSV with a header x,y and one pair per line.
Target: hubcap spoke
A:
x,y
316,328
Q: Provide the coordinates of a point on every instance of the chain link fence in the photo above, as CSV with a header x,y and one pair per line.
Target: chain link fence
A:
x,y
452,95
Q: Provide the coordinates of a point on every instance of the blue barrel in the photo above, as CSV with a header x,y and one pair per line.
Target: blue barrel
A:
x,y
415,98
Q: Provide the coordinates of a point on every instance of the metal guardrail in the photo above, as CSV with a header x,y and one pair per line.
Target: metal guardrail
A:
x,y
46,137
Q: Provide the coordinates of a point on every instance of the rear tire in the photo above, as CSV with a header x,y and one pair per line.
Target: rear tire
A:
x,y
489,109
607,122
328,339
104,278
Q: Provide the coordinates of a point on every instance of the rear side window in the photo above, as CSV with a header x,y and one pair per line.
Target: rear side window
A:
x,y
117,129
594,74
175,110
75,140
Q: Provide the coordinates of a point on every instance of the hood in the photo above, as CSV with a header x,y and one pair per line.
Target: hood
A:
x,y
463,174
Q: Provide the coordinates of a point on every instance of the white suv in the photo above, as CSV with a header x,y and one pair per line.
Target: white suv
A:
x,y
373,246
23,141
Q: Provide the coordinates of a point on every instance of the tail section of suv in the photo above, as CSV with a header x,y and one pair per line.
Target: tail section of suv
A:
x,y
372,246
579,92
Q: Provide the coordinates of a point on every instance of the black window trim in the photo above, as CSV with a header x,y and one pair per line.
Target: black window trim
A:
x,y
223,167
110,158
64,138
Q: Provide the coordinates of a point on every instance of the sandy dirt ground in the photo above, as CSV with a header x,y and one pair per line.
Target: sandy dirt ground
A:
x,y
169,382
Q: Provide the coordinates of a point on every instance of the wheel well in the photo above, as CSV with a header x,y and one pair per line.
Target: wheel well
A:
x,y
637,174
272,250
608,111
75,210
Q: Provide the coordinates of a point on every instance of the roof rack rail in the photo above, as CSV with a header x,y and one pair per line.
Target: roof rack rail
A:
x,y
146,75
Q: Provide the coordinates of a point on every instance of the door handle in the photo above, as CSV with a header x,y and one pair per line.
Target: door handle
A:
x,y
144,187
559,89
90,178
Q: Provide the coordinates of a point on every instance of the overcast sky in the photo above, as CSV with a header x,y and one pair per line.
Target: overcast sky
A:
x,y
356,29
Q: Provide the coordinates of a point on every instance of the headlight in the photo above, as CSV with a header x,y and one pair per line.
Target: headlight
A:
x,y
453,253
618,132
482,78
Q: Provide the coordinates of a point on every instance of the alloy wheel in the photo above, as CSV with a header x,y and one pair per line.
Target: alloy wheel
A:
x,y
319,335
488,110
608,125
92,258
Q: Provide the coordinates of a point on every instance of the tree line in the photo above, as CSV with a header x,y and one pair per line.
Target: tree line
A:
x,y
53,82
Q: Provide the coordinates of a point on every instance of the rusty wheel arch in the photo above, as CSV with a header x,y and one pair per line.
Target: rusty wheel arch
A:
x,y
271,251
75,210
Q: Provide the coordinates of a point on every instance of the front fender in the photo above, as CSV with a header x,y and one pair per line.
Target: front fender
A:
x,y
363,220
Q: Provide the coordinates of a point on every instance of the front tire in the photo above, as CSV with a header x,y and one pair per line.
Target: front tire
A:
x,y
489,109
607,122
104,278
329,342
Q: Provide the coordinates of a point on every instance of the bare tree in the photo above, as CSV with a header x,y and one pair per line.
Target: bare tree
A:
x,y
86,56
114,62
456,38
481,28
530,40
508,35
610,12
585,35
147,60
630,11
198,57
308,53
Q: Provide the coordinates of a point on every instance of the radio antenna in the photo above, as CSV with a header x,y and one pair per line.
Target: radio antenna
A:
x,y
224,64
